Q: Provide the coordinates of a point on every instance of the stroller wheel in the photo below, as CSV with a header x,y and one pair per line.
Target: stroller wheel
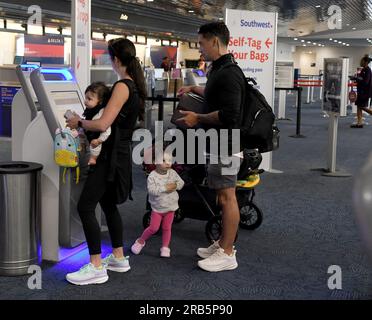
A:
x,y
213,229
250,216
178,216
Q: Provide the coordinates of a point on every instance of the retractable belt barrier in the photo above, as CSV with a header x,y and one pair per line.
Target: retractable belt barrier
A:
x,y
298,124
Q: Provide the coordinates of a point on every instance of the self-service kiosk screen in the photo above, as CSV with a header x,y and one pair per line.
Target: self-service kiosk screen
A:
x,y
66,100
199,72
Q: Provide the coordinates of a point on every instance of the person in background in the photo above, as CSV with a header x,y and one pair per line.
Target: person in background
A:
x,y
166,64
202,65
364,90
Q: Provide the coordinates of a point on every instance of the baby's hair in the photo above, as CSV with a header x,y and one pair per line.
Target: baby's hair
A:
x,y
102,91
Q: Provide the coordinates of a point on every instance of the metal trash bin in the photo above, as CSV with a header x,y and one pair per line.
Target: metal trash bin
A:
x,y
19,217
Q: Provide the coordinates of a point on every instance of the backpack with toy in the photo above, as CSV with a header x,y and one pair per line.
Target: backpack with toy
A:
x,y
67,150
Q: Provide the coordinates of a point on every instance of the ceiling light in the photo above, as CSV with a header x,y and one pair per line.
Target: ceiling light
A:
x,y
304,45
295,39
335,41
330,39
191,11
37,30
51,30
124,17
319,45
318,6
66,31
14,25
309,42
314,43
354,28
302,40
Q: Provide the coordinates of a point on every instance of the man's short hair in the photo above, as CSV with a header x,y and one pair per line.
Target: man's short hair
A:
x,y
217,29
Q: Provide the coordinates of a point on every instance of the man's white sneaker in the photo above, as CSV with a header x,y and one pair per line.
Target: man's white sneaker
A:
x,y
117,265
88,274
219,261
207,252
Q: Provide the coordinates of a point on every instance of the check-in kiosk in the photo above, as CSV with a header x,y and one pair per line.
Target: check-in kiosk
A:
x,y
196,77
61,230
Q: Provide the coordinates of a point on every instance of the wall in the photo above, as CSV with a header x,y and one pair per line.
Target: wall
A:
x,y
302,58
8,48
184,52
284,52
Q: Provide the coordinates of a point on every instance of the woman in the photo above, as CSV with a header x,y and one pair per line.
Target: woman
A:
x,y
364,84
110,182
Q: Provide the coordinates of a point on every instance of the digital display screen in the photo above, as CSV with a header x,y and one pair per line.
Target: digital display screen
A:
x,y
199,72
66,100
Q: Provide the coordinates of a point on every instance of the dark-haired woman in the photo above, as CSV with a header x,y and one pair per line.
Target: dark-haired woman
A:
x,y
364,88
110,182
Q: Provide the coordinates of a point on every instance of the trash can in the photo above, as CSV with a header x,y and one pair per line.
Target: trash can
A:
x,y
19,217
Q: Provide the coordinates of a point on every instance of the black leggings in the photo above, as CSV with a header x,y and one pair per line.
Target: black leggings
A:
x,y
98,190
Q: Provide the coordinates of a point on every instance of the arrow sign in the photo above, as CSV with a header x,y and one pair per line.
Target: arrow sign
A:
x,y
268,43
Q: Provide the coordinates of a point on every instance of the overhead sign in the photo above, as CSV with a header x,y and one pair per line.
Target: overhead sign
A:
x,y
48,49
81,51
253,37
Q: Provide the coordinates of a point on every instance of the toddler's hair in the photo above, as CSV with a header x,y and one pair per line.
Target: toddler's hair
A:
x,y
102,91
165,146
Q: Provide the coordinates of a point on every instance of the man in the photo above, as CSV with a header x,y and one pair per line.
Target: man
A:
x,y
166,64
224,95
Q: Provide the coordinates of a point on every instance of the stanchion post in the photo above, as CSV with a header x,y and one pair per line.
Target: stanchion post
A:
x,y
298,125
312,89
175,93
308,91
161,107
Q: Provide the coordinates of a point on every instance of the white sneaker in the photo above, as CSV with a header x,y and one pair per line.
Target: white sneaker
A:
x,y
117,265
204,253
219,261
88,274
165,252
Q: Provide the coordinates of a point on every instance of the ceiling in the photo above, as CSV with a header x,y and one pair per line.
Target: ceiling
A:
x,y
307,19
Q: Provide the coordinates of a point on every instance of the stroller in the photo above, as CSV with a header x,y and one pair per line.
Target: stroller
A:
x,y
197,201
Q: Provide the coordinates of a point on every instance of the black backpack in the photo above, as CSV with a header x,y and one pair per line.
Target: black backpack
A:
x,y
257,120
